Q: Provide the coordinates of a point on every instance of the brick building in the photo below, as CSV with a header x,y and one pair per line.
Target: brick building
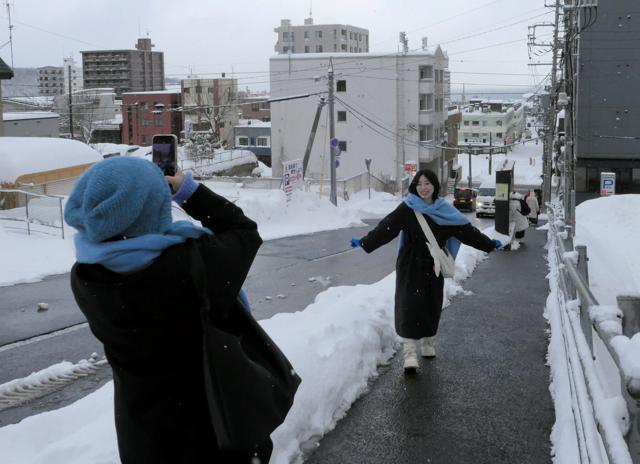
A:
x,y
146,114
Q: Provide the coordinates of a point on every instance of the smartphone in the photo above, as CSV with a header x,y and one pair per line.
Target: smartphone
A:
x,y
164,149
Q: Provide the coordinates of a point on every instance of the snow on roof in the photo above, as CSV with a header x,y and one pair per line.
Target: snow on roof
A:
x,y
28,155
29,115
253,123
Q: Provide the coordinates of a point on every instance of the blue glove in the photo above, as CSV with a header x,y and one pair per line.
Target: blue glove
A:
x,y
355,242
498,244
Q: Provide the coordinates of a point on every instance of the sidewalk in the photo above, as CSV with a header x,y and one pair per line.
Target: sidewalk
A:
x,y
484,399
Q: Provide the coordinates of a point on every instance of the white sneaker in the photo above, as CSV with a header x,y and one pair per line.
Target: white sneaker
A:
x,y
426,347
410,356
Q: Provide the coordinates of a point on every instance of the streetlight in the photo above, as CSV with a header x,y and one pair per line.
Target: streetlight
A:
x,y
367,162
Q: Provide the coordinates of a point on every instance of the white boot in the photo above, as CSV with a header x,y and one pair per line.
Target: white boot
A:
x,y
410,356
426,347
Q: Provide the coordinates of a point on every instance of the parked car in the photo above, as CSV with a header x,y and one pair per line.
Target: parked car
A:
x,y
465,198
485,201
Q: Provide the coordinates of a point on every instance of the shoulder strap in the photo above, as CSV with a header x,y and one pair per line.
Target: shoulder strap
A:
x,y
426,229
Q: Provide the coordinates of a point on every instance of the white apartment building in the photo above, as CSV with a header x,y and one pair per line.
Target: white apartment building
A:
x,y
491,123
51,81
54,80
320,38
388,107
70,66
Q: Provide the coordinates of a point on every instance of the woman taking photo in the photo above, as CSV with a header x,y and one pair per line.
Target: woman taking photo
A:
x,y
419,287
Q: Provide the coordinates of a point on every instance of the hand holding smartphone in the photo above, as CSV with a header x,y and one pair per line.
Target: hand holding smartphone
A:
x,y
164,153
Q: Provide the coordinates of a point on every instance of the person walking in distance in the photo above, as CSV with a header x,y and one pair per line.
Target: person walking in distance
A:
x,y
534,206
419,286
134,282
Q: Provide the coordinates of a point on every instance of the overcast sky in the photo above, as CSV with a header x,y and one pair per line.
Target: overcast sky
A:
x,y
213,36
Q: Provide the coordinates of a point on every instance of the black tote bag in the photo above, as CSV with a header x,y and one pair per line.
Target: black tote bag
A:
x,y
250,384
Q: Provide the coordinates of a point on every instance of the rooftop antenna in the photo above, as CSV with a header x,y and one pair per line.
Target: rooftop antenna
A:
x,y
10,30
311,8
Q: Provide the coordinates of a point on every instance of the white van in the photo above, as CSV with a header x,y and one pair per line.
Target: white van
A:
x,y
486,199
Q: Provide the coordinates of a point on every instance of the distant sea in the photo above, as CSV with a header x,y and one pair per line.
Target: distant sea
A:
x,y
507,93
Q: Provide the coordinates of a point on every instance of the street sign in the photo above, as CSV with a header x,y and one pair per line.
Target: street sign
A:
x,y
607,184
291,176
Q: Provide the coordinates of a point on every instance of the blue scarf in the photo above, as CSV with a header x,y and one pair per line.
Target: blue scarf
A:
x,y
442,213
133,254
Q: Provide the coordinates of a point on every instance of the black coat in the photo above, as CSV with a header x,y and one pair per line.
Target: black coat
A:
x,y
419,293
150,326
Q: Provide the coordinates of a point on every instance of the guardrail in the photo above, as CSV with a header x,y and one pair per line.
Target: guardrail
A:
x,y
583,317
28,218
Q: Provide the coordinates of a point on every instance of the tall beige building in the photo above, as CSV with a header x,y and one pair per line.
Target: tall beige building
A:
x,y
320,38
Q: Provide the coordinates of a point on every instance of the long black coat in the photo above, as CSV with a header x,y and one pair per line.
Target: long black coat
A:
x,y
150,326
419,293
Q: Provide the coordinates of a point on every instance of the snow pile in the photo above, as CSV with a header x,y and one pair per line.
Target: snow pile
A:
x,y
28,155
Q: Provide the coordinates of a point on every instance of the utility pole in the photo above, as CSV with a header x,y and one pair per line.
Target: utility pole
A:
x,y
333,197
551,115
490,150
470,177
70,104
10,31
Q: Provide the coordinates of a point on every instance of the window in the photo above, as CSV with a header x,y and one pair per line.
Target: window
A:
x,y
198,89
335,47
318,48
359,37
342,145
499,122
319,34
285,36
341,86
306,48
426,72
475,123
186,90
465,123
499,135
146,123
145,140
426,133
262,142
221,124
350,35
243,141
342,116
306,34
475,135
344,47
285,49
255,106
343,32
335,33
426,102
158,121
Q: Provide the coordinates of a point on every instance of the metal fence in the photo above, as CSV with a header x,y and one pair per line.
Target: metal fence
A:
x,y
345,187
32,209
583,325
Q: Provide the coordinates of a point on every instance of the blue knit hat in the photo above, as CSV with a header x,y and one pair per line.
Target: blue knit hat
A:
x,y
120,196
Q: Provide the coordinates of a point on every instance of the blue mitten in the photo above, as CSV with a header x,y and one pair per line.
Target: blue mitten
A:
x,y
498,244
355,242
